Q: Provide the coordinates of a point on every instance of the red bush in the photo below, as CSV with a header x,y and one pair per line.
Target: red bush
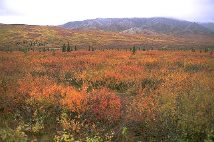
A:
x,y
105,105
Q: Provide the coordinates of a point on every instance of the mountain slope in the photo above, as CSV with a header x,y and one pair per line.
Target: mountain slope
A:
x,y
209,26
140,25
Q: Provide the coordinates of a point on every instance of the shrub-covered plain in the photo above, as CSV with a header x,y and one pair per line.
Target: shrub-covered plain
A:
x,y
107,96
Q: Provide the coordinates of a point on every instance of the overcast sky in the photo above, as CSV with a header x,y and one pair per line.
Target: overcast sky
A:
x,y
55,12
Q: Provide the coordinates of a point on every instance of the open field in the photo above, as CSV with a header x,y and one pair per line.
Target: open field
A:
x,y
106,95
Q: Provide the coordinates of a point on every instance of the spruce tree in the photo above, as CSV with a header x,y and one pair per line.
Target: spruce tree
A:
x,y
68,48
64,48
133,50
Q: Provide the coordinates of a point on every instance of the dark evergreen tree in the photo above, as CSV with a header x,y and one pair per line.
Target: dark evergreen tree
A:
x,y
64,48
133,50
68,47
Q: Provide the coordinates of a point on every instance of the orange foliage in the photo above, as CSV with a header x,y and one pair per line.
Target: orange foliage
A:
x,y
53,77
44,88
68,97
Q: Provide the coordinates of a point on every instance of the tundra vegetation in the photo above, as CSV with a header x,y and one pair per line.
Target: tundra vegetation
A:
x,y
106,95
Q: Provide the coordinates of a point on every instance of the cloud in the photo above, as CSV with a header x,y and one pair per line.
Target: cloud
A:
x,y
61,11
5,9
206,13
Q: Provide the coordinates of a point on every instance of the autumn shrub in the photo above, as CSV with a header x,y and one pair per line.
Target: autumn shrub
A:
x,y
44,88
45,102
78,96
185,113
104,106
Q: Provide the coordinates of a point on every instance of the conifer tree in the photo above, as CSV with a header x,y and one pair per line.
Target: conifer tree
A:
x,y
64,48
133,50
68,48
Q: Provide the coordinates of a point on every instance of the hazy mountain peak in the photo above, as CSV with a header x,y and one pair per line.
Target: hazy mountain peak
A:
x,y
158,25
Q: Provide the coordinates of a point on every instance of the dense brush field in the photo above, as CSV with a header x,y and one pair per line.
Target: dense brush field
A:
x,y
104,96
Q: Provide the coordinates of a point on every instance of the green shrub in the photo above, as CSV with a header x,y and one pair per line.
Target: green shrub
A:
x,y
94,139
10,135
193,68
63,137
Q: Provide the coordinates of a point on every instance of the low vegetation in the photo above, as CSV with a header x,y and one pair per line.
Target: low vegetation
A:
x,y
109,95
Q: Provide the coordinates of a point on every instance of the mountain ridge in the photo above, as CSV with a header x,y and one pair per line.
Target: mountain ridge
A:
x,y
156,25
